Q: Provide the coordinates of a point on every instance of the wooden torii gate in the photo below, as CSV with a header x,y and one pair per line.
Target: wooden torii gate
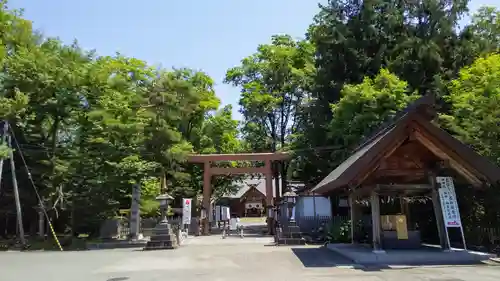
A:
x,y
209,171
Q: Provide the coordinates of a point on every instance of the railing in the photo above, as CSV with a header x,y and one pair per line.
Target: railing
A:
x,y
309,224
147,226
483,238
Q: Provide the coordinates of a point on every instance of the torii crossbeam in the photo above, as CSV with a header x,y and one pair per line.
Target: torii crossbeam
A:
x,y
209,171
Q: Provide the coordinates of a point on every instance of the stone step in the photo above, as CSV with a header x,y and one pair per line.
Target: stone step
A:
x,y
157,245
291,235
291,241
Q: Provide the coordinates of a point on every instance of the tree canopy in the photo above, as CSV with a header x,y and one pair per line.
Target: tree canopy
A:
x,y
87,127
90,126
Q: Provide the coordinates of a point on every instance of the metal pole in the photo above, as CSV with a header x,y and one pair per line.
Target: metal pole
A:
x,y
16,194
314,205
463,236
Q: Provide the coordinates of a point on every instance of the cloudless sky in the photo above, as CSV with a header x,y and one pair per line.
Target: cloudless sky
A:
x,y
206,35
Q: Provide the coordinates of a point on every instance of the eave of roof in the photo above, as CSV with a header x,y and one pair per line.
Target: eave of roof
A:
x,y
343,175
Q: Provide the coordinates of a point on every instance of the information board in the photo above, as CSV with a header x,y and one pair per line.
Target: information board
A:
x,y
449,205
222,213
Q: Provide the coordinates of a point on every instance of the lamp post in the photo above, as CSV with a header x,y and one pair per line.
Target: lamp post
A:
x,y
290,199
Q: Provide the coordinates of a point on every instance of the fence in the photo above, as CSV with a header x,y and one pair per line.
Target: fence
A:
x,y
147,226
309,224
482,238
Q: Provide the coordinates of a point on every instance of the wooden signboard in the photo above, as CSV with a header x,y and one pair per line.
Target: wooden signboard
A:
x,y
401,227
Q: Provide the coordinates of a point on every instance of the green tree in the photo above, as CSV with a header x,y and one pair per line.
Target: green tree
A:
x,y
90,127
417,41
485,27
361,109
474,98
474,118
274,83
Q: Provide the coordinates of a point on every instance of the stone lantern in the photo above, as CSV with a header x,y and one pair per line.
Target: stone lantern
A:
x,y
289,233
290,199
163,236
164,201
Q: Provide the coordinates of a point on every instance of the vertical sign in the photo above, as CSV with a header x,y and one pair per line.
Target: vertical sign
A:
x,y
217,213
135,216
225,214
186,211
449,205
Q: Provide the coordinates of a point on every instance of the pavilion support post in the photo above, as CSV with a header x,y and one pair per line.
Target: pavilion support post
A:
x,y
207,193
269,197
376,228
355,216
436,203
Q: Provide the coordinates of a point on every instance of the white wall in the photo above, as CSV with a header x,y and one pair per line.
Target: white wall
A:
x,y
308,204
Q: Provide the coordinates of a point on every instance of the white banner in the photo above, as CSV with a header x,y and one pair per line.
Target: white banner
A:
x,y
449,205
186,210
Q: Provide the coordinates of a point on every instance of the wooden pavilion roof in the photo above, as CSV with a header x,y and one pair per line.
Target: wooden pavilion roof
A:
x,y
414,122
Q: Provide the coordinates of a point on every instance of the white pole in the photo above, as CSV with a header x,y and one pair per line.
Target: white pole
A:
x,y
447,237
463,236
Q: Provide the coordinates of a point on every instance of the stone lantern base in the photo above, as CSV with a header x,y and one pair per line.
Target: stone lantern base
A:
x,y
162,238
289,234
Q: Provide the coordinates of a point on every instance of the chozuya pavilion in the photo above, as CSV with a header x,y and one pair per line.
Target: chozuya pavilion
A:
x,y
406,158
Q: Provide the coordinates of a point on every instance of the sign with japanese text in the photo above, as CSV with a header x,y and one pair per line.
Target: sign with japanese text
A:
x,y
186,210
449,205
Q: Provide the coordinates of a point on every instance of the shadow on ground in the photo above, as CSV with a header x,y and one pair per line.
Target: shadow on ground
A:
x,y
322,257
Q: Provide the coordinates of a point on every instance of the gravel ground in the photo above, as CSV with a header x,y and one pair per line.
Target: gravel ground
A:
x,y
213,258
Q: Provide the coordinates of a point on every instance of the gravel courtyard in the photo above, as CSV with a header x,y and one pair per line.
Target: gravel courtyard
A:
x,y
211,258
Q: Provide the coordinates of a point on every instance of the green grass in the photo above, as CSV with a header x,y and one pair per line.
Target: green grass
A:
x,y
262,219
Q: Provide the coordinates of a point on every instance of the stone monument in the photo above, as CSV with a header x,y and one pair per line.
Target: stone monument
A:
x,y
135,213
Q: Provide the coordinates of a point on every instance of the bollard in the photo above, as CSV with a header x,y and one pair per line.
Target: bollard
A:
x,y
224,234
178,236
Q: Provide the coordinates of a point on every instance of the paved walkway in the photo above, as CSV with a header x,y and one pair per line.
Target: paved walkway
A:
x,y
215,259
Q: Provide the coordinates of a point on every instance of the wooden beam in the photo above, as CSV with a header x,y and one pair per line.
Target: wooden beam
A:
x,y
404,186
376,227
438,213
398,173
376,161
449,158
237,171
200,158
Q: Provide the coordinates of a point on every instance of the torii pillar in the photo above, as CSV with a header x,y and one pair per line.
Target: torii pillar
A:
x,y
209,171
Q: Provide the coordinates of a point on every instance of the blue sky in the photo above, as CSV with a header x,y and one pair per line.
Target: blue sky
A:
x,y
207,35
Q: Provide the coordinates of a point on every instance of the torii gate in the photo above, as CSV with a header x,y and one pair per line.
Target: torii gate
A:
x,y
209,171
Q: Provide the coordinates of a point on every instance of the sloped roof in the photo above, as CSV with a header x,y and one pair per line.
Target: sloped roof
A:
x,y
246,184
340,173
369,148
